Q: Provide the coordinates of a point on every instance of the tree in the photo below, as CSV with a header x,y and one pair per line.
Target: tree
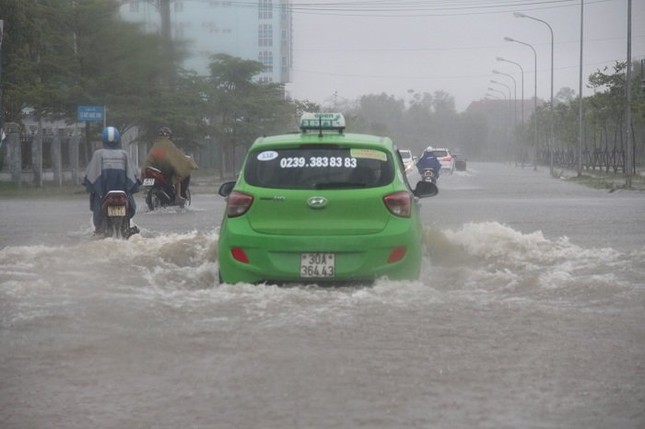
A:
x,y
242,109
60,54
380,114
565,95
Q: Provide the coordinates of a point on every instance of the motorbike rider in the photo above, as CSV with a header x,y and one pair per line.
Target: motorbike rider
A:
x,y
110,169
172,162
429,160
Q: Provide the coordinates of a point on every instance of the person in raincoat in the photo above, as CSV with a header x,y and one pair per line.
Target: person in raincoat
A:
x,y
110,169
429,160
172,162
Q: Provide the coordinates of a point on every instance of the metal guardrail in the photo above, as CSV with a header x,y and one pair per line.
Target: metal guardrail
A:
x,y
608,160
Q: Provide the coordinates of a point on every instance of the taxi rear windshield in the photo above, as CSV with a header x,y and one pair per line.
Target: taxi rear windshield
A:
x,y
319,168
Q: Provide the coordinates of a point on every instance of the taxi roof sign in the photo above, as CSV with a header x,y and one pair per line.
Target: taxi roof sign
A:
x,y
322,121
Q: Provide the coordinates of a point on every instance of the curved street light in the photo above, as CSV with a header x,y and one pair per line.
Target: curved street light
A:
x,y
505,98
514,94
511,123
552,131
510,39
498,91
510,96
522,86
514,121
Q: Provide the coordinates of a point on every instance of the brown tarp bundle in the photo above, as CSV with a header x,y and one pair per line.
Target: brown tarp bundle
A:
x,y
165,156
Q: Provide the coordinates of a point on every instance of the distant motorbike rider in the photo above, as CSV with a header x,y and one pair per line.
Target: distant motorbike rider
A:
x,y
429,160
172,162
110,169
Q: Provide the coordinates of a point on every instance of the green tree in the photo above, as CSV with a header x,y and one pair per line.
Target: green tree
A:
x,y
418,124
59,54
242,109
379,114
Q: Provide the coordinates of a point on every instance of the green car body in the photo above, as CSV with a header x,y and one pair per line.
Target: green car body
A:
x,y
321,207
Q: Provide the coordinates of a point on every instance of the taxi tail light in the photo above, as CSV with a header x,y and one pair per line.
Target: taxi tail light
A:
x,y
238,204
239,255
399,204
397,254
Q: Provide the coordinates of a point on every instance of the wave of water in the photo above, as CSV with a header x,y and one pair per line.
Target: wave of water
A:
x,y
480,262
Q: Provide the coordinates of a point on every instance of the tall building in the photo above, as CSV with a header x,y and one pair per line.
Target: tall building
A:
x,y
259,30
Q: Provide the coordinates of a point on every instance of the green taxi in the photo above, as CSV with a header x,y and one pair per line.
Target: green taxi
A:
x,y
321,206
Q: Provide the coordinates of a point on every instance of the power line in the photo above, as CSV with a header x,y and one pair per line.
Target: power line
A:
x,y
464,48
450,77
419,8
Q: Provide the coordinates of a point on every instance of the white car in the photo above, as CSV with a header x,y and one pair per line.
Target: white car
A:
x,y
445,158
408,159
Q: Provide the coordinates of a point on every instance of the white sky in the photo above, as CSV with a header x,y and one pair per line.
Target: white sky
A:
x,y
343,50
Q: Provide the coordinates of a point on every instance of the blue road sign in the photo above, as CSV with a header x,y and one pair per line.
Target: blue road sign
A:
x,y
91,113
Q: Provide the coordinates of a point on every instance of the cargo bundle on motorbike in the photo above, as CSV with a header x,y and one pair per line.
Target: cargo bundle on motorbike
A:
x,y
166,173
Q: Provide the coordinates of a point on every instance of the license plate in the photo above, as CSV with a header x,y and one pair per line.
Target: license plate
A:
x,y
317,265
148,181
116,211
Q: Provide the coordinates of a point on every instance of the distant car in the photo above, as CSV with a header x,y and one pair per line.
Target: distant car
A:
x,y
445,158
408,159
321,206
460,162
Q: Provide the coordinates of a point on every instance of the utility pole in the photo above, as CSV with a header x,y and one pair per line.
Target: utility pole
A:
x,y
166,35
580,110
629,155
1,104
164,12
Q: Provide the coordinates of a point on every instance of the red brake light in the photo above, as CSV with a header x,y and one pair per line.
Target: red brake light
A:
x,y
239,255
396,254
399,204
238,203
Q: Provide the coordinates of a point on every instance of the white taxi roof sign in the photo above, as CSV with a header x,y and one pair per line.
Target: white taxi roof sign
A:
x,y
322,121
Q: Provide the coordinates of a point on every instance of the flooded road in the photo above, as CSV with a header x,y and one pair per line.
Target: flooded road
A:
x,y
530,313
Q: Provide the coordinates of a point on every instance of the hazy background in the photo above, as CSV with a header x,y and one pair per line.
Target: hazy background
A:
x,y
343,50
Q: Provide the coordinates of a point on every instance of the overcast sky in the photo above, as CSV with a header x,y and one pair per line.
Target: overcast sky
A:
x,y
349,48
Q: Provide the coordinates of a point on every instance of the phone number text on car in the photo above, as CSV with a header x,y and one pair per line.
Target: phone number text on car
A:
x,y
318,161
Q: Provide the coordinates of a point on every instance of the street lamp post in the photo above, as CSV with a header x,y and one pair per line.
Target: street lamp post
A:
x,y
504,117
522,86
499,91
551,126
1,106
580,109
514,95
511,123
629,159
509,39
514,132
510,95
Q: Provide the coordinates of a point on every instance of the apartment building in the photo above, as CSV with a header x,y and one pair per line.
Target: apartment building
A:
x,y
258,30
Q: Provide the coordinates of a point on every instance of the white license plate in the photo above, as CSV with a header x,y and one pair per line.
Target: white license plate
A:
x,y
317,265
116,211
148,181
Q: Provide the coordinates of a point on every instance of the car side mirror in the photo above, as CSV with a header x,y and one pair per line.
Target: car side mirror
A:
x,y
425,189
226,188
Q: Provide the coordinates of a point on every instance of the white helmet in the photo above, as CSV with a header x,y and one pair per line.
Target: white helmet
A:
x,y
429,149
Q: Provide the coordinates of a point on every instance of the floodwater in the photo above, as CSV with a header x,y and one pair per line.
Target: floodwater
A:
x,y
530,313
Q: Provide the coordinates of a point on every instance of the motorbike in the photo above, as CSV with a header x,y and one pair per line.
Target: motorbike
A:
x,y
428,175
116,223
160,191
